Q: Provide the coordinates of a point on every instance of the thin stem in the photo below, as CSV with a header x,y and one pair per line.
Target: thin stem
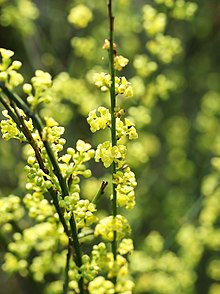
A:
x,y
59,211
113,118
66,273
65,192
18,101
29,137
77,250
10,112
100,192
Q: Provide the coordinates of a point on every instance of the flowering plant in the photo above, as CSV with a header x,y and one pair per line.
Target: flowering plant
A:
x,y
54,200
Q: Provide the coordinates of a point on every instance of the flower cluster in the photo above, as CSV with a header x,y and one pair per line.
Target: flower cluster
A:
x,y
73,165
125,246
39,207
126,183
103,81
101,260
52,132
125,129
105,262
40,239
114,228
108,225
102,286
37,179
116,268
122,86
83,212
73,162
89,269
9,128
39,91
8,69
107,153
120,62
101,256
99,119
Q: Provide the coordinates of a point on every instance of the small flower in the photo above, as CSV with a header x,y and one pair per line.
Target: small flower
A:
x,y
125,128
39,91
99,119
8,69
120,62
83,212
102,81
5,53
126,246
123,87
81,146
106,45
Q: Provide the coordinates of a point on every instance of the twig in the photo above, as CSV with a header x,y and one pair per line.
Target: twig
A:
x,y
113,118
100,192
66,273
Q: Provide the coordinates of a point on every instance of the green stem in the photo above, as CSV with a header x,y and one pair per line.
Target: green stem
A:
x,y
66,273
113,118
101,191
77,250
10,112
29,137
65,192
59,211
18,101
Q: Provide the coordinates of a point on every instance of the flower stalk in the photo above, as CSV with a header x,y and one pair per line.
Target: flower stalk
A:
x,y
113,118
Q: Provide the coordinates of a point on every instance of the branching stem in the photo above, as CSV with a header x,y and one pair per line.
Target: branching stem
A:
x,y
16,101
113,118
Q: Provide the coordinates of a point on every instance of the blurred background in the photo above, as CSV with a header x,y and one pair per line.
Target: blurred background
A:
x,y
174,58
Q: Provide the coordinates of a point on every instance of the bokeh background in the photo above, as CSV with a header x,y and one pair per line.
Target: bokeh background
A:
x,y
174,59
